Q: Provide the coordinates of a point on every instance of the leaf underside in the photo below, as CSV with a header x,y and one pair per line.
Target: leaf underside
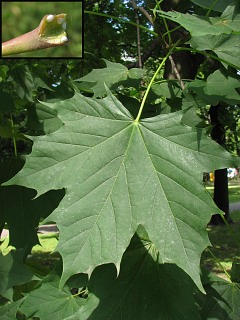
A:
x,y
118,175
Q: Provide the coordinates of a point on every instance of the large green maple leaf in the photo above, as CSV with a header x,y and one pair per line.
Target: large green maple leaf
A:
x,y
119,174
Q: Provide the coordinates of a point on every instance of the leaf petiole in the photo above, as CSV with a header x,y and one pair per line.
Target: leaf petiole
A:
x,y
152,80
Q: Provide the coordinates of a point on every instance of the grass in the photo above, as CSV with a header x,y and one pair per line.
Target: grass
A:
x,y
43,258
235,215
48,242
233,192
224,247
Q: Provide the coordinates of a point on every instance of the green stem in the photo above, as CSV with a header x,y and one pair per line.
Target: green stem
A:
x,y
121,20
165,24
151,82
79,293
210,9
14,139
219,263
169,32
230,230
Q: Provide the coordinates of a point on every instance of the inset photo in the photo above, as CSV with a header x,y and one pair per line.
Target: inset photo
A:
x,y
42,29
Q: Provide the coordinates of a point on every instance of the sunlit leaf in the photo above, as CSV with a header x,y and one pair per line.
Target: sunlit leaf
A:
x,y
119,174
114,73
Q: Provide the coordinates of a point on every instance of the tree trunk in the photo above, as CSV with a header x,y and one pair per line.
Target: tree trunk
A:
x,y
221,196
221,180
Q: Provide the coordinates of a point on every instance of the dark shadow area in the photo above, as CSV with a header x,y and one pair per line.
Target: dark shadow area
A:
x,y
144,289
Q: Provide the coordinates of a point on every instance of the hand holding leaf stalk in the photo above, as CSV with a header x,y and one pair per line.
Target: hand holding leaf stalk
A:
x,y
51,32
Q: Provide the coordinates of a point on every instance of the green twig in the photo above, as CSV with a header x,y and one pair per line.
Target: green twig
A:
x,y
168,33
14,139
219,263
121,20
210,9
50,33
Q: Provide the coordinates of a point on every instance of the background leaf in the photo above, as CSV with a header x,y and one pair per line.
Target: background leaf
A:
x,y
51,302
227,47
13,272
222,299
114,73
23,82
8,311
220,5
220,86
197,25
7,103
20,211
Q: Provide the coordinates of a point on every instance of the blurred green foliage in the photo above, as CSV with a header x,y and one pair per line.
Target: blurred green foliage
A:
x,y
21,17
